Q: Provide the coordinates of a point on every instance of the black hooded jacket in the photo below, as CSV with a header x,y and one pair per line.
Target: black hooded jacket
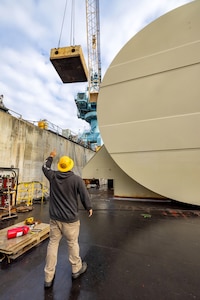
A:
x,y
65,190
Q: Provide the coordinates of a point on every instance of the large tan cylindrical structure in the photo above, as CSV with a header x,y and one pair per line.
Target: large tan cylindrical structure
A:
x,y
149,104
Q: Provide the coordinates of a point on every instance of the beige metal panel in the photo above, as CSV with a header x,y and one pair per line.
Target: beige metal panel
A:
x,y
152,89
166,80
174,174
101,165
168,60
161,134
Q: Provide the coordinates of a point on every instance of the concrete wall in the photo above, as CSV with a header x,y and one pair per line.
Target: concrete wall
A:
x,y
25,146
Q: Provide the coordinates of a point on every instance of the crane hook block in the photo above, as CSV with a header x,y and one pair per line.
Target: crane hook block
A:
x,y
70,64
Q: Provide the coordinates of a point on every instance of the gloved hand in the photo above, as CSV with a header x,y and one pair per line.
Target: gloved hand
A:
x,y
53,153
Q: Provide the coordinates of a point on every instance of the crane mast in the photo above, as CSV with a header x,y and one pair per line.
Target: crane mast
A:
x,y
87,102
93,45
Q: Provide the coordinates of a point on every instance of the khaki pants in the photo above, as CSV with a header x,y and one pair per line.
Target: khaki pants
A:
x,y
71,233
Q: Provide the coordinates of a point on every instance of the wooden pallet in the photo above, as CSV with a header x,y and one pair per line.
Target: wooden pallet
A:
x,y
13,248
5,214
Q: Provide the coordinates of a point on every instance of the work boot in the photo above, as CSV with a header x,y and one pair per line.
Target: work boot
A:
x,y
49,284
81,271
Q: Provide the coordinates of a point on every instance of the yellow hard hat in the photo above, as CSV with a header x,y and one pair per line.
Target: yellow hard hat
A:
x,y
65,164
29,221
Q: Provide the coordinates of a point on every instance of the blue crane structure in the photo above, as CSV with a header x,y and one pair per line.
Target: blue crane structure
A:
x,y
86,102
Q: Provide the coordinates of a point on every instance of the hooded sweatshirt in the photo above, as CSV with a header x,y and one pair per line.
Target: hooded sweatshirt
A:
x,y
66,189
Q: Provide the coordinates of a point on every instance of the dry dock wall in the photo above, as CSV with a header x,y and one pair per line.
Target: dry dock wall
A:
x,y
25,146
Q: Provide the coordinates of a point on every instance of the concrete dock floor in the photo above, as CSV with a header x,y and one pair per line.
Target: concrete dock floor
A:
x,y
144,250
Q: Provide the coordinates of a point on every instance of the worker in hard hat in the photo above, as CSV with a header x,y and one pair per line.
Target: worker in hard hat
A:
x,y
65,190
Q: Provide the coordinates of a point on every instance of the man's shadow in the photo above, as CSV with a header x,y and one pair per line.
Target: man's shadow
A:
x,y
74,291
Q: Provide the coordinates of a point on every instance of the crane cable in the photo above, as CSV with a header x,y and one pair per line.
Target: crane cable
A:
x,y
72,39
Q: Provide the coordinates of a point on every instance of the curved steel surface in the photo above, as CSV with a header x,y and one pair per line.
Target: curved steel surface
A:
x,y
149,104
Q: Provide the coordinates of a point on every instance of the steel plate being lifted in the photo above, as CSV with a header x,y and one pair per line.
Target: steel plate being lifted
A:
x,y
149,106
69,63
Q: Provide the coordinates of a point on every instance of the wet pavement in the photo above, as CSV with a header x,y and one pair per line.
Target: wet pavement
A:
x,y
134,250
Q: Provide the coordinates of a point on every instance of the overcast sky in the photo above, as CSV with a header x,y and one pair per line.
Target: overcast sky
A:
x,y
29,29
